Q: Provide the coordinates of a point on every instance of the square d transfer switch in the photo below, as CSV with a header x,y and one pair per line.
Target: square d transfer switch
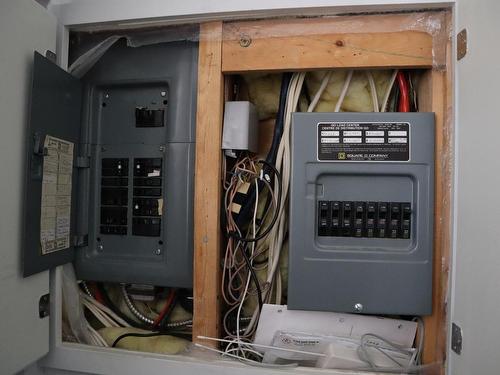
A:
x,y
361,212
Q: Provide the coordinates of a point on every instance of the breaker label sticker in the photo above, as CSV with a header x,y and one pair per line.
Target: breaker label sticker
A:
x,y
55,218
359,141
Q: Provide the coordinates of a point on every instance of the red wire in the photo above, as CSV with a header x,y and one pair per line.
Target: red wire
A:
x,y
97,293
404,93
165,309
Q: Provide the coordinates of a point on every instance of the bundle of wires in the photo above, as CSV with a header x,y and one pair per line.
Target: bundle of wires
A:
x,y
107,314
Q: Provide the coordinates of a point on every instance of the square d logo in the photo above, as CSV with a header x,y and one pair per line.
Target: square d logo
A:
x,y
341,156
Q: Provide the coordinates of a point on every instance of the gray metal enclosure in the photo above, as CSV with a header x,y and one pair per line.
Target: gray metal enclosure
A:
x,y
139,109
361,212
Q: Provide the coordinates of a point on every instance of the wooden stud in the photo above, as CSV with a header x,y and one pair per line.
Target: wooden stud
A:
x,y
207,234
436,92
319,43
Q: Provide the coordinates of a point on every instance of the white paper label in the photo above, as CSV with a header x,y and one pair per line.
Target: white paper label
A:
x,y
352,140
374,140
374,133
397,133
352,133
55,217
329,140
397,140
330,133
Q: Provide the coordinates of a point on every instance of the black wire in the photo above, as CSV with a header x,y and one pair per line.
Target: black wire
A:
x,y
276,211
280,119
116,310
152,334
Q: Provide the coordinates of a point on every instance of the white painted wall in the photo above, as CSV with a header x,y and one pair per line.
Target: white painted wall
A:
x,y
25,26
476,270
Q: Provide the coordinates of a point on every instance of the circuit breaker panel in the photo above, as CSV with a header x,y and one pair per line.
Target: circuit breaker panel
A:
x,y
126,214
139,112
361,212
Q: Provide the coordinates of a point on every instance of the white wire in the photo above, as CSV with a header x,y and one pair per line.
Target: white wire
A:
x,y
249,361
100,340
100,316
262,346
105,309
343,93
318,94
249,276
388,91
373,90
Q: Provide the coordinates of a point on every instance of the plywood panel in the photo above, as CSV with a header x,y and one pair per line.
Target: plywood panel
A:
x,y
207,235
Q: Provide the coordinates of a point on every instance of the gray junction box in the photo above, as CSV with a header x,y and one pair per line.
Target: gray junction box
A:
x,y
361,212
131,119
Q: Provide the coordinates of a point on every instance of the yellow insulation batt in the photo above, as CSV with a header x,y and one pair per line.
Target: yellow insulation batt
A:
x,y
263,91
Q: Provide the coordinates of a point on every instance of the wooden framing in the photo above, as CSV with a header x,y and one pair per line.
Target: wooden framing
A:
x,y
207,193
306,44
366,42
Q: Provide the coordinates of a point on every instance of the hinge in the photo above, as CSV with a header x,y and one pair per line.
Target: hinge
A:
x,y
82,162
461,44
51,56
38,145
456,338
81,240
44,306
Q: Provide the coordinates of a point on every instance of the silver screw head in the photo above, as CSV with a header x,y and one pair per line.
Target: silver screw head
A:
x,y
163,93
358,307
100,247
245,40
162,148
158,251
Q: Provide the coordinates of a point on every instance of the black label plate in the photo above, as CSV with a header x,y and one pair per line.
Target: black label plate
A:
x,y
356,141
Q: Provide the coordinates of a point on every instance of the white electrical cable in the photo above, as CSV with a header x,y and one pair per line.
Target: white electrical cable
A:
x,y
106,322
249,276
277,234
343,93
318,94
388,91
373,90
246,360
105,309
262,346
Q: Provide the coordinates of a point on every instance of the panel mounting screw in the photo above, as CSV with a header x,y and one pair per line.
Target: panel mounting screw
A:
x,y
158,251
163,93
100,247
358,307
106,96
245,40
162,148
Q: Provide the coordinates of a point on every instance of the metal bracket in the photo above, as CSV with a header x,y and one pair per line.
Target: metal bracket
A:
x,y
456,338
81,240
44,306
461,44
38,148
82,162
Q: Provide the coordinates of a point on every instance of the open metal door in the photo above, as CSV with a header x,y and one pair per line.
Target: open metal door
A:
x,y
475,308
25,26
52,150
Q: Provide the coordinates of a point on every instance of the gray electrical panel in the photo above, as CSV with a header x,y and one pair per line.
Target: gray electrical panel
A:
x,y
133,167
361,212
